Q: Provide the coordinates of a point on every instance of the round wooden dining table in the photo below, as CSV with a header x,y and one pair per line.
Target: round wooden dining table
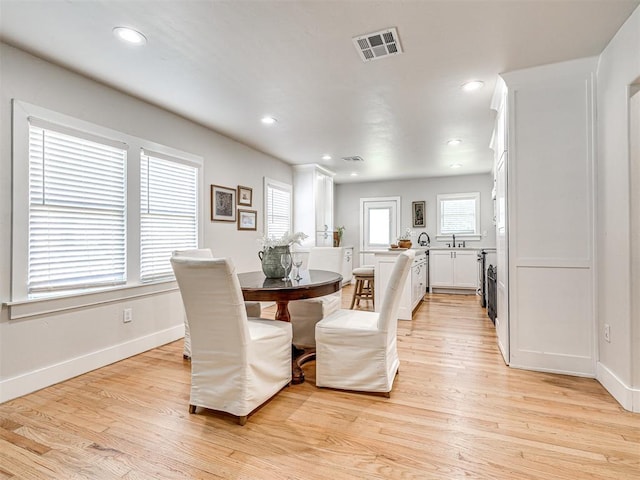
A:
x,y
313,283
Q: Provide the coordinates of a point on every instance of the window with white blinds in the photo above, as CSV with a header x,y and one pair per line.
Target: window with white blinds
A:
x,y
458,214
168,213
77,212
277,208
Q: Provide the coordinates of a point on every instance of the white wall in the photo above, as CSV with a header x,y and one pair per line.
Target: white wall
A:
x,y
618,68
348,195
41,350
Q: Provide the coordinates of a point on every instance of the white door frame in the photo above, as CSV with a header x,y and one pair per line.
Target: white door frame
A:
x,y
395,203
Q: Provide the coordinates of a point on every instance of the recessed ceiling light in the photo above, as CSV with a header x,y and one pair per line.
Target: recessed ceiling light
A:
x,y
453,142
326,157
354,174
130,35
268,120
455,165
472,85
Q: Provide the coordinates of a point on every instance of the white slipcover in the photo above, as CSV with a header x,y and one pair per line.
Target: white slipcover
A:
x,y
237,363
306,313
357,350
254,309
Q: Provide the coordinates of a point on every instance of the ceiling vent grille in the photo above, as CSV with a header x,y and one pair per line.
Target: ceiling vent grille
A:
x,y
355,158
378,44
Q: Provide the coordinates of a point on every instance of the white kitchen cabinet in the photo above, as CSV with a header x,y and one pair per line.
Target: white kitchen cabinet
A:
x,y
416,282
347,265
313,204
455,269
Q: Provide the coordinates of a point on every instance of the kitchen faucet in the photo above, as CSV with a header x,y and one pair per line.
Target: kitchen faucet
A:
x,y
423,243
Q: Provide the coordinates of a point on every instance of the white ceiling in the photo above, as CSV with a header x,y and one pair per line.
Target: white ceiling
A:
x,y
225,64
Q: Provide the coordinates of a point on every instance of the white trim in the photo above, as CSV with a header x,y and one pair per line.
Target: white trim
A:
x,y
563,364
312,167
49,305
557,262
30,382
626,396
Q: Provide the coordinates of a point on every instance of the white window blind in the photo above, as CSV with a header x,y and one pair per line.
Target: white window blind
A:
x,y
169,213
458,214
278,209
77,215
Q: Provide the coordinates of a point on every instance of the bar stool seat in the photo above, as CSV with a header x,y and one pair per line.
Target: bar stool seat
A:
x,y
364,288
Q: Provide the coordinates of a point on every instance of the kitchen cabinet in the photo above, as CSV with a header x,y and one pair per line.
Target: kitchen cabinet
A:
x,y
313,204
455,269
347,266
347,262
414,287
418,280
545,176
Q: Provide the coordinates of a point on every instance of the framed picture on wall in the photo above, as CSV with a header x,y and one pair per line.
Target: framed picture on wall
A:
x,y
418,210
245,195
223,204
247,219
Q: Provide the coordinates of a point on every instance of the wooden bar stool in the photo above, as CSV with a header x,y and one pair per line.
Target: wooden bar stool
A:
x,y
364,288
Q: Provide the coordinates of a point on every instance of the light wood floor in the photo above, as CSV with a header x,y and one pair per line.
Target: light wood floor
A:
x,y
456,411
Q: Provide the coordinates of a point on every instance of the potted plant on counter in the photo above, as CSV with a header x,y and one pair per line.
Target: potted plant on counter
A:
x,y
337,236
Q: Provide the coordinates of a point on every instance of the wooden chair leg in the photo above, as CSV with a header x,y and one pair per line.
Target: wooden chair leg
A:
x,y
373,293
192,409
355,294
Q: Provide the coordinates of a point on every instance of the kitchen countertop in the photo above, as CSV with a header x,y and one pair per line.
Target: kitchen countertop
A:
x,y
395,251
456,248
426,249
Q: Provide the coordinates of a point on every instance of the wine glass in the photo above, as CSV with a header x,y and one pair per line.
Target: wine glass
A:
x,y
297,262
285,261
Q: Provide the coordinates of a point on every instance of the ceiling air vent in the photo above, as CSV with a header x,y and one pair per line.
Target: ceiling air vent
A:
x,y
355,158
378,44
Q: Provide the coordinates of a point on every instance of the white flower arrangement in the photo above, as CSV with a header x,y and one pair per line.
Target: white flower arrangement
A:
x,y
287,239
408,233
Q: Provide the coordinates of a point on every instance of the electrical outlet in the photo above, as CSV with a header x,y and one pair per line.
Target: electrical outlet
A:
x,y
607,332
127,315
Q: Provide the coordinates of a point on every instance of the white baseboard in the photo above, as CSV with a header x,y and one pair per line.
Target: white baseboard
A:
x,y
626,396
30,382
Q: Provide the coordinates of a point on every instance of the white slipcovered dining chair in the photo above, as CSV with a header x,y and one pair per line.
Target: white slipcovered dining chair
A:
x,y
254,309
306,313
357,350
237,363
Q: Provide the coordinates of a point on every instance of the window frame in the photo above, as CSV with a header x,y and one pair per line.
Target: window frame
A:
x,y
20,305
149,156
271,183
443,197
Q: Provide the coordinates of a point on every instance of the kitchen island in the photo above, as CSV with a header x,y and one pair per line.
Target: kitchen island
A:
x,y
415,287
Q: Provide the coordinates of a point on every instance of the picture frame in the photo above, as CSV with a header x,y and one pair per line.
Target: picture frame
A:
x,y
247,219
419,214
223,204
245,195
